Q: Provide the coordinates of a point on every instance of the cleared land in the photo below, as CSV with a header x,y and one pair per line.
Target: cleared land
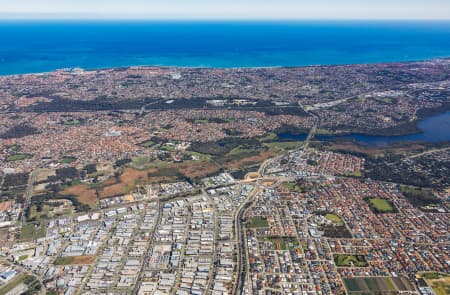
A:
x,y
70,260
84,194
126,183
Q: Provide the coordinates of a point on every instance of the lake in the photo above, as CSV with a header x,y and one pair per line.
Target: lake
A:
x,y
434,129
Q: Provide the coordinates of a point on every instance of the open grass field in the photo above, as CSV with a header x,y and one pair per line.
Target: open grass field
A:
x,y
71,260
377,285
73,122
348,260
258,221
68,160
381,205
334,218
17,157
31,232
84,194
148,143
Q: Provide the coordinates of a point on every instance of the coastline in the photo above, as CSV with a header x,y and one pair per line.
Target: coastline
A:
x,y
174,67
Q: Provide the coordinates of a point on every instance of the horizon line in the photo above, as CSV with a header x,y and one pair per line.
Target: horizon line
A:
x,y
220,20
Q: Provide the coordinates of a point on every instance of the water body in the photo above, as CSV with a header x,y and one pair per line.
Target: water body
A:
x,y
434,129
40,46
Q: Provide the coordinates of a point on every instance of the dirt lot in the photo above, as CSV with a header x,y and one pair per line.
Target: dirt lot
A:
x,y
84,194
200,169
131,176
44,174
250,160
127,181
74,260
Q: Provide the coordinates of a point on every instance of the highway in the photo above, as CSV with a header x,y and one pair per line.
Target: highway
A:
x,y
28,194
242,264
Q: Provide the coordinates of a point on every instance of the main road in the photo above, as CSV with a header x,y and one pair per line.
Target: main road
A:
x,y
242,264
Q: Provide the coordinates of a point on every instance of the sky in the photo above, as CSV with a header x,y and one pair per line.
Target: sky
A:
x,y
225,9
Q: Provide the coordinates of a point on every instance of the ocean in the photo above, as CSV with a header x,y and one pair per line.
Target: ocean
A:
x,y
41,46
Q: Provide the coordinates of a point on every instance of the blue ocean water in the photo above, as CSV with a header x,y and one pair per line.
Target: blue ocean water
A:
x,y
37,46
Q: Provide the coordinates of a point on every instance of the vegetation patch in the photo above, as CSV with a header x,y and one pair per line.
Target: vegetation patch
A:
x,y
419,197
297,187
336,229
348,260
68,160
19,131
241,172
17,179
268,137
32,231
284,145
17,157
148,143
291,129
224,146
258,221
380,205
439,282
41,204
334,218
72,122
